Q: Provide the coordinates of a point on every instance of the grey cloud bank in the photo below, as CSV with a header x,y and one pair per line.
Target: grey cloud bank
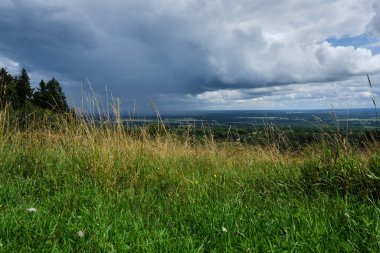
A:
x,y
176,51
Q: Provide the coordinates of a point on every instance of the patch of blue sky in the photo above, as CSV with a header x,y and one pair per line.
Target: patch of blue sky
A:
x,y
364,40
375,49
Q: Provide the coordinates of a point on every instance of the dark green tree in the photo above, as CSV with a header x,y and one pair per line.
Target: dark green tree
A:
x,y
7,88
40,96
55,98
17,91
23,90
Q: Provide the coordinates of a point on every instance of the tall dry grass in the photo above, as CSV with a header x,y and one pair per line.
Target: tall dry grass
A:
x,y
104,144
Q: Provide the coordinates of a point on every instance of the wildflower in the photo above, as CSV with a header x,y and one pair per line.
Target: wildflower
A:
x,y
224,230
32,210
80,234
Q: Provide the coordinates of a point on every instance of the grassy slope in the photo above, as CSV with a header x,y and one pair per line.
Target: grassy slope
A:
x,y
162,194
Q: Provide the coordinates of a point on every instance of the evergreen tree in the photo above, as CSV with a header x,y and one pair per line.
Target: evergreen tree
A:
x,y
55,98
23,90
18,92
7,88
40,96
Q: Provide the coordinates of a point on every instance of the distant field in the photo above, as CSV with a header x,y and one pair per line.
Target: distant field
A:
x,y
67,185
352,118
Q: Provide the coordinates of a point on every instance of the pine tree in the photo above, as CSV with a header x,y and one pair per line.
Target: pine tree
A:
x,y
55,98
40,96
7,88
23,90
17,91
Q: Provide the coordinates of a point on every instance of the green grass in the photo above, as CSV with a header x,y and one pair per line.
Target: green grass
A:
x,y
166,194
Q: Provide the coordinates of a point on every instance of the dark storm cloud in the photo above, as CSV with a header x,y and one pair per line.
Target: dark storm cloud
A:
x,y
42,36
131,49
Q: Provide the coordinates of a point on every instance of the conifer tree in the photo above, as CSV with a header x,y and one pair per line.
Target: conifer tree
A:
x,y
7,88
55,98
23,90
40,96
18,92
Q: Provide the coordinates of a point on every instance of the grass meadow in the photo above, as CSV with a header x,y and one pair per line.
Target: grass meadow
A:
x,y
70,185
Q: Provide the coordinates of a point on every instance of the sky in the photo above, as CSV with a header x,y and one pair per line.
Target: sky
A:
x,y
199,54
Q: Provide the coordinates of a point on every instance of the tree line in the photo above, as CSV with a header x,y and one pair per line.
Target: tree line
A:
x,y
17,92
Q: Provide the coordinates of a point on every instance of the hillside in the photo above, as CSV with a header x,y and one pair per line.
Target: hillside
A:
x,y
75,186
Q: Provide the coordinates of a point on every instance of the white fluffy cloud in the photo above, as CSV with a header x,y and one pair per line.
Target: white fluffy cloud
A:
x,y
264,42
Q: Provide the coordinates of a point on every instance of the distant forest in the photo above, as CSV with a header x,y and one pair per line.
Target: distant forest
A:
x,y
16,92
